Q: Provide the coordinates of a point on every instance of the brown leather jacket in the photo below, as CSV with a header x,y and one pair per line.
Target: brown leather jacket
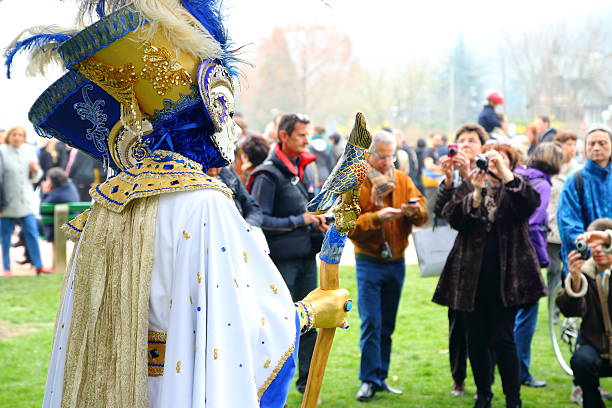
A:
x,y
368,235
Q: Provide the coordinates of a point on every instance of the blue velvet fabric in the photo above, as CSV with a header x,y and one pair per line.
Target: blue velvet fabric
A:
x,y
188,133
333,244
596,200
56,114
276,394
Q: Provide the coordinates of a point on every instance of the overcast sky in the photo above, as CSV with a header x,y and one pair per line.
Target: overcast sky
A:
x,y
383,32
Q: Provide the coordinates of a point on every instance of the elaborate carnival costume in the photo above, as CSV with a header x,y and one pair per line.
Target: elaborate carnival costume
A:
x,y
176,277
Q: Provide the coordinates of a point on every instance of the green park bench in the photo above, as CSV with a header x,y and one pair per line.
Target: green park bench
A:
x,y
56,215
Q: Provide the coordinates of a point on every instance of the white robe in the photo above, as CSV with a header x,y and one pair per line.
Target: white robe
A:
x,y
228,315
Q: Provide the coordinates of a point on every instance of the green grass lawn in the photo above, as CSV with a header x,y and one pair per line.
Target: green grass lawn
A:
x,y
419,365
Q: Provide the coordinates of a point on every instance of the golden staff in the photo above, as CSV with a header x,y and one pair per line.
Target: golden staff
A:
x,y
344,182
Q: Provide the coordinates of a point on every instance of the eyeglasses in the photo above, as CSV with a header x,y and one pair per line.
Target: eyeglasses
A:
x,y
389,157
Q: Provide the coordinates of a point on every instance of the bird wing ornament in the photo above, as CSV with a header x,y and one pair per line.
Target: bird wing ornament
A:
x,y
343,183
350,171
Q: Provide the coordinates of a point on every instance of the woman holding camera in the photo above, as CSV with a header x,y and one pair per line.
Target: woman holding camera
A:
x,y
469,140
492,269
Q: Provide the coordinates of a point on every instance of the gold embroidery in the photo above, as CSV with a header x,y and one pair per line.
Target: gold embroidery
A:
x,y
75,227
199,278
119,83
267,363
275,372
152,177
186,235
246,257
178,367
190,300
216,353
62,325
163,71
235,282
274,288
156,353
263,321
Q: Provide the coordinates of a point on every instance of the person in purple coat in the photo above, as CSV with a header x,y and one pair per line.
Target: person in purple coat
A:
x,y
544,163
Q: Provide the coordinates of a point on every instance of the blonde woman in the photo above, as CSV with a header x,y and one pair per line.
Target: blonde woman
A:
x,y
20,170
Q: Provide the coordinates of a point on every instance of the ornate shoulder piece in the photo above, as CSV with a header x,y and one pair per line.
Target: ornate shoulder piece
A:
x,y
74,227
164,172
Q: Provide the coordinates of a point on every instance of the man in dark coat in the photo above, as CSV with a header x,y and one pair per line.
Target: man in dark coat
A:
x,y
57,188
546,133
488,118
84,171
283,186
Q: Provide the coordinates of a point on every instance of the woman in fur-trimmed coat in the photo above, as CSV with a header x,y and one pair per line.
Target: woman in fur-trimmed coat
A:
x,y
492,268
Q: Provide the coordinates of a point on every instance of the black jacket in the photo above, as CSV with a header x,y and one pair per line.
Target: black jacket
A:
x,y
548,135
283,189
488,118
66,193
247,206
82,174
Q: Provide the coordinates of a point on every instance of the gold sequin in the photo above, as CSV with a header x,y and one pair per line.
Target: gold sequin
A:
x,y
246,256
236,282
267,363
274,288
190,300
263,321
62,325
178,366
186,234
163,71
119,83
199,278
216,353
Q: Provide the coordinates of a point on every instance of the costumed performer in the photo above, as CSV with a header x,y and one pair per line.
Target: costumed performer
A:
x,y
168,299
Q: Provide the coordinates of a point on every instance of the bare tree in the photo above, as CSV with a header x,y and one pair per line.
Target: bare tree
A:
x,y
559,65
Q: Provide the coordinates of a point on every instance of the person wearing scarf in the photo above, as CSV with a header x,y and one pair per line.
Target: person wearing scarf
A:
x,y
380,239
493,268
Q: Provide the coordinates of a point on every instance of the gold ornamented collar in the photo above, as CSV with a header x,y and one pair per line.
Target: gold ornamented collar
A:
x,y
164,172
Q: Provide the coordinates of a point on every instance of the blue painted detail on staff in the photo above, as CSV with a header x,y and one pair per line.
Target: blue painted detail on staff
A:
x,y
333,244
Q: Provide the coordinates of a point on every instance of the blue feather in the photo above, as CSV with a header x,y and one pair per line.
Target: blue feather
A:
x,y
100,8
32,43
208,13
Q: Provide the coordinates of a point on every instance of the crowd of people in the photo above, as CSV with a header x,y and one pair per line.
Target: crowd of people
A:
x,y
52,173
518,204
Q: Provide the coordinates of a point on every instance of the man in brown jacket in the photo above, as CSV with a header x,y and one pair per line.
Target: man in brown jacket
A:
x,y
390,205
592,359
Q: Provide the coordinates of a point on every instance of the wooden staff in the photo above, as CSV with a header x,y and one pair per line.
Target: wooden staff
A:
x,y
325,338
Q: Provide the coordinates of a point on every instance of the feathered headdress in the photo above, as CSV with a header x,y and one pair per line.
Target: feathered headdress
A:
x,y
156,65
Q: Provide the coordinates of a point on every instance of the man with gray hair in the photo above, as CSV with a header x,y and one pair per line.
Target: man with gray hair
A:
x,y
390,205
586,193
